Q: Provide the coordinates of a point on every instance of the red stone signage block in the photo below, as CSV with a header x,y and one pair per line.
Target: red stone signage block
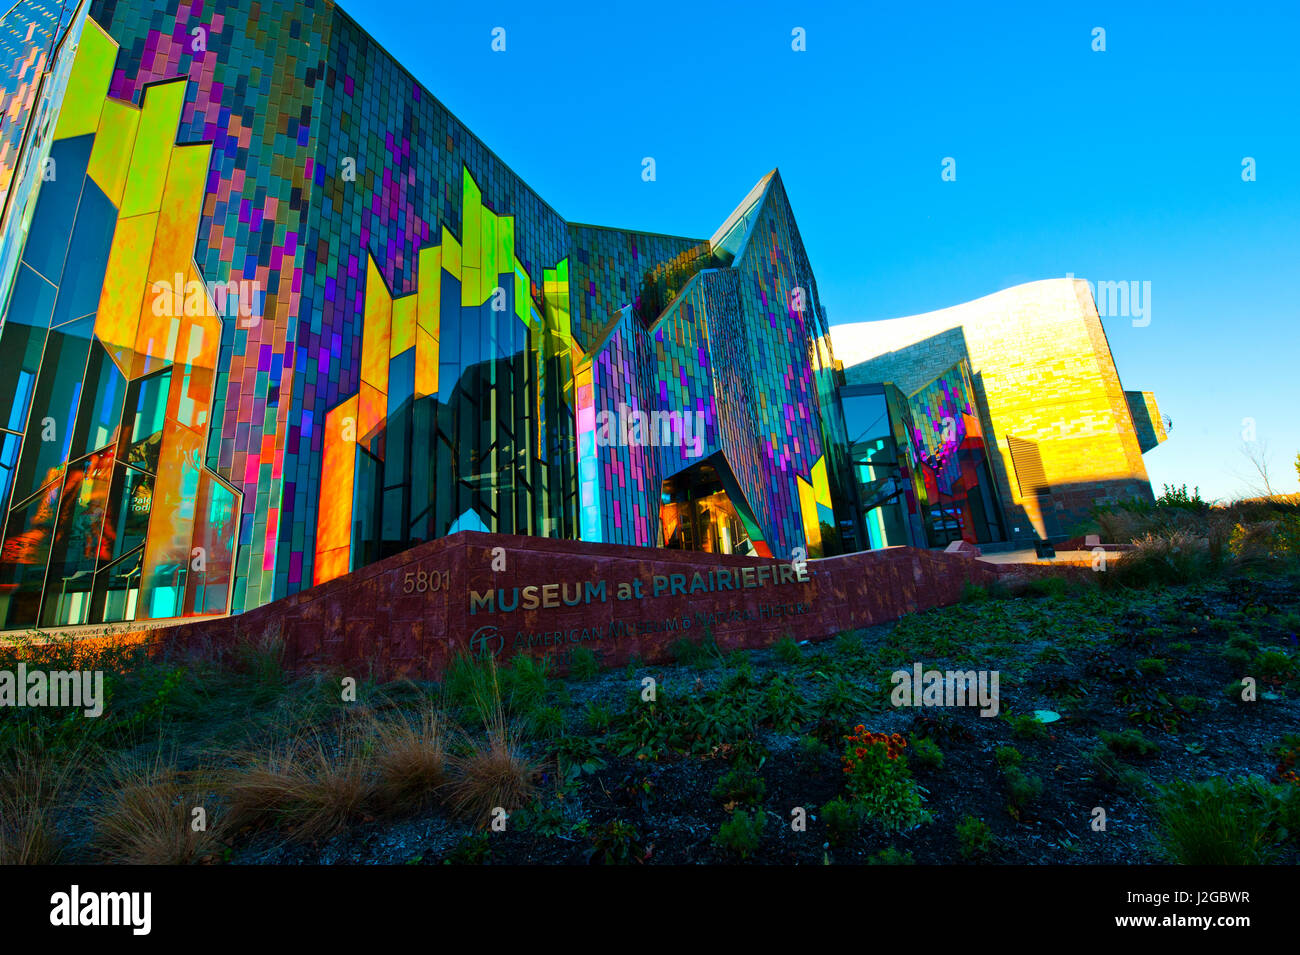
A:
x,y
410,614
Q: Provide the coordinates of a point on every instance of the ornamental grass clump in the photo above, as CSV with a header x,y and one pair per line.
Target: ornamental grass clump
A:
x,y
879,782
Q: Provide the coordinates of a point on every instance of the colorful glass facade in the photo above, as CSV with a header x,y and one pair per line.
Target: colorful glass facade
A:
x,y
920,464
280,314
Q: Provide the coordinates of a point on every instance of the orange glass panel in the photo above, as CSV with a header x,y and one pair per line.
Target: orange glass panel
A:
x,y
377,331
426,363
338,470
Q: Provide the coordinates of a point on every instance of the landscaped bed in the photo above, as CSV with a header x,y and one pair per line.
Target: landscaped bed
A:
x,y
732,754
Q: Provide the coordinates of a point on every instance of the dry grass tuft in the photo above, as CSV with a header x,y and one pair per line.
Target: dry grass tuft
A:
x,y
33,788
410,761
149,817
493,772
309,787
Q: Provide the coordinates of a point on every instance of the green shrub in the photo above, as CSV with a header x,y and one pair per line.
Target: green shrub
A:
x,y
787,650
1112,772
547,722
890,856
1234,690
1237,658
1153,666
1217,822
1047,587
879,781
1274,665
1129,743
583,664
740,834
616,843
842,820
1006,756
927,755
740,785
810,747
597,717
1025,726
1022,790
975,840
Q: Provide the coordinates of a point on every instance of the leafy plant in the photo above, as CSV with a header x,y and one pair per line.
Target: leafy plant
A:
x,y
616,843
1022,790
878,780
1025,726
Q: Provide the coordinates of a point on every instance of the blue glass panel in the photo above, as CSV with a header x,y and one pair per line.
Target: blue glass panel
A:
x,y
101,404
83,275
56,207
32,301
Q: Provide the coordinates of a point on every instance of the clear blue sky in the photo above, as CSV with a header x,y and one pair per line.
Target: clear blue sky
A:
x,y
1123,165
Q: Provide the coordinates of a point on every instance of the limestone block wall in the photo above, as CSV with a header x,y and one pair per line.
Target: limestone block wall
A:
x,y
1042,368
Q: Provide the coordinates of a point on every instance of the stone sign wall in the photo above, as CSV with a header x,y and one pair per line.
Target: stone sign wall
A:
x,y
408,615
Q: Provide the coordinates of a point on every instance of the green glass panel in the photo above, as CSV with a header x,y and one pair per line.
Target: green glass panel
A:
x,y
77,542
26,551
117,589
147,407
54,406
129,506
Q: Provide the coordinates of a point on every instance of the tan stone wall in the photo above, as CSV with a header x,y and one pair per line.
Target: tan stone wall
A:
x,y
1043,368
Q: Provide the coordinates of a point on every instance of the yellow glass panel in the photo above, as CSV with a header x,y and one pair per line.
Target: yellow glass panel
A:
x,y
403,336
153,148
87,83
182,204
426,364
377,330
110,157
430,290
812,530
125,281
821,487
